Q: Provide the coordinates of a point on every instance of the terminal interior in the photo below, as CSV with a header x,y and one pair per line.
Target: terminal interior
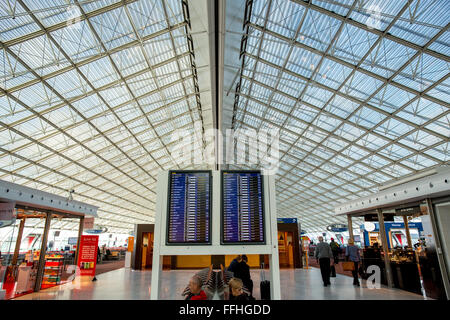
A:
x,y
180,135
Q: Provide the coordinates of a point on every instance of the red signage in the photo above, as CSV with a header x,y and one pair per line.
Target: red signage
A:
x,y
87,255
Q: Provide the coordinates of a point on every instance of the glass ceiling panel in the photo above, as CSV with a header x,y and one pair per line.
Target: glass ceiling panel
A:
x,y
391,104
98,64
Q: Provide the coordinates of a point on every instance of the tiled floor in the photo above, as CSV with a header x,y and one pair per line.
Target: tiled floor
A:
x,y
126,284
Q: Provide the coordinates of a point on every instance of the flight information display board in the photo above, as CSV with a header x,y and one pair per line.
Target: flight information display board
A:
x,y
242,208
189,207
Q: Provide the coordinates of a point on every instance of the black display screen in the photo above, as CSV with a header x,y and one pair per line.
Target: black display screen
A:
x,y
189,207
242,207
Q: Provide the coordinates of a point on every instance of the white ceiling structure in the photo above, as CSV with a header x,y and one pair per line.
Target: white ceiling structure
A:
x,y
91,91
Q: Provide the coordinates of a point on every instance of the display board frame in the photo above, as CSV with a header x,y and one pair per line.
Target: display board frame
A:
x,y
252,243
160,248
209,242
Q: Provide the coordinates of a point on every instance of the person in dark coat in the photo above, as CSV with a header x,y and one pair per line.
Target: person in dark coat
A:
x,y
233,265
242,271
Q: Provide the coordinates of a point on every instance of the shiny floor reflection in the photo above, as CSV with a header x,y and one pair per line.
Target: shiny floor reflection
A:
x,y
126,284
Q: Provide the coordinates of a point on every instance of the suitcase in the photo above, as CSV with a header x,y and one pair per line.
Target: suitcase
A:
x,y
264,286
333,271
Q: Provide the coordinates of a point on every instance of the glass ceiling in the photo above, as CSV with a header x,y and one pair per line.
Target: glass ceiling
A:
x,y
90,92
359,90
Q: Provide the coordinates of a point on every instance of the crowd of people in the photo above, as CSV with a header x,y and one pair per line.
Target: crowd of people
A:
x,y
324,252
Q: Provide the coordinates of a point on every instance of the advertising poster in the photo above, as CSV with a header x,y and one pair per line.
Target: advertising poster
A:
x,y
130,244
7,213
88,223
87,256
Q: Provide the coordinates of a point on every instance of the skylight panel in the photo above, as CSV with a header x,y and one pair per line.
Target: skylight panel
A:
x,y
422,21
383,13
353,44
441,44
367,117
147,16
441,125
99,72
317,96
22,23
441,152
420,139
361,86
422,72
302,62
77,42
159,49
341,107
284,17
318,30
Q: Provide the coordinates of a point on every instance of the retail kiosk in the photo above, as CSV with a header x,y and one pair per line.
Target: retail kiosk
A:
x,y
214,242
426,196
40,269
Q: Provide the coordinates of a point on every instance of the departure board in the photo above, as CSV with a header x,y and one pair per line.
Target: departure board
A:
x,y
242,207
189,207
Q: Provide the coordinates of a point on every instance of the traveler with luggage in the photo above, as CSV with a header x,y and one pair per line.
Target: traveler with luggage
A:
x,y
352,254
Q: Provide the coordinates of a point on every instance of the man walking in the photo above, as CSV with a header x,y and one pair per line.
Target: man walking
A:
x,y
323,254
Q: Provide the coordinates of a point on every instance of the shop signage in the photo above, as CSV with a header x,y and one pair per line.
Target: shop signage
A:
x,y
287,220
369,226
408,211
96,231
87,255
72,240
7,214
374,217
337,227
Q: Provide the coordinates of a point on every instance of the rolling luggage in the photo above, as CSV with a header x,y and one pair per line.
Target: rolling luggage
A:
x,y
333,271
264,286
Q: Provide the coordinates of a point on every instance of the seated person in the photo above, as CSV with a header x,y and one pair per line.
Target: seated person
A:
x,y
195,288
236,290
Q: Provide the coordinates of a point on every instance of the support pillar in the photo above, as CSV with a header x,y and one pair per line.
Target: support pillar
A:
x,y
387,261
408,235
41,265
18,242
80,232
350,227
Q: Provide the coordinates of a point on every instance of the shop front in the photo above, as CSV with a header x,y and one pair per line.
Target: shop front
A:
x,y
39,246
410,250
